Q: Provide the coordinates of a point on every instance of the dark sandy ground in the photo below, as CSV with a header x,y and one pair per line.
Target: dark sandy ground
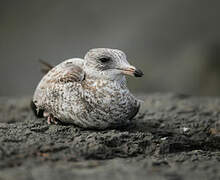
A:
x,y
174,137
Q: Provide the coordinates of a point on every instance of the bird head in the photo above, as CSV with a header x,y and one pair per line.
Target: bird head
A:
x,y
109,64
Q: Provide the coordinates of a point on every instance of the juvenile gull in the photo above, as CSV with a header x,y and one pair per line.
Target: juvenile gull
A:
x,y
89,92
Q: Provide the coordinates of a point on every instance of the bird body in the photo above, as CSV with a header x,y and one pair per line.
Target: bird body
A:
x,y
86,94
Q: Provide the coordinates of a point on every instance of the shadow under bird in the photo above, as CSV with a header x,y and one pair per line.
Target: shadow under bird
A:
x,y
89,92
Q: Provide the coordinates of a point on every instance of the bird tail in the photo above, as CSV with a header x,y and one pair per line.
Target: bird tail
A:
x,y
45,67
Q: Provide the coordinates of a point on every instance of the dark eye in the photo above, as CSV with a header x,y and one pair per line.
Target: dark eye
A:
x,y
105,59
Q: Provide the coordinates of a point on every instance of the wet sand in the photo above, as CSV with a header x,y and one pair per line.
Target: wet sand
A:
x,y
173,137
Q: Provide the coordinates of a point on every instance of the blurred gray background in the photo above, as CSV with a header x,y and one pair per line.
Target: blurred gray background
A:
x,y
175,42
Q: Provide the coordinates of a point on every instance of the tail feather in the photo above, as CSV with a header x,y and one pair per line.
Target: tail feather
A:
x,y
46,67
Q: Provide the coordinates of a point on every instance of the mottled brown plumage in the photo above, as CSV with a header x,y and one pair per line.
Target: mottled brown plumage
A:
x,y
90,92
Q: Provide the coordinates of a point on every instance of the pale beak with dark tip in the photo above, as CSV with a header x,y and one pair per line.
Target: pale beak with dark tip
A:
x,y
132,71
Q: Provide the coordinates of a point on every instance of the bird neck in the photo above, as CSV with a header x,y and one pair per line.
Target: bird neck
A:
x,y
119,81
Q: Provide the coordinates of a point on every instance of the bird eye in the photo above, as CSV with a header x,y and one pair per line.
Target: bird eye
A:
x,y
105,59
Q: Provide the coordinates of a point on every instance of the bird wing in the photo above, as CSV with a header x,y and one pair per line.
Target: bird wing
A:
x,y
69,73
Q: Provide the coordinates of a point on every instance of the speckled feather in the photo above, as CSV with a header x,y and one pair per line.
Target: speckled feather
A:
x,y
79,91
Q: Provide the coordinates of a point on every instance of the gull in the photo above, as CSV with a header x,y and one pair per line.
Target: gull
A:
x,y
90,92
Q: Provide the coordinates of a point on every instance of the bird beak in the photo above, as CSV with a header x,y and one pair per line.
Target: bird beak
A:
x,y
132,71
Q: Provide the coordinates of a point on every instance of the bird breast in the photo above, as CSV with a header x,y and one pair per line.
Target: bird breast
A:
x,y
111,97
